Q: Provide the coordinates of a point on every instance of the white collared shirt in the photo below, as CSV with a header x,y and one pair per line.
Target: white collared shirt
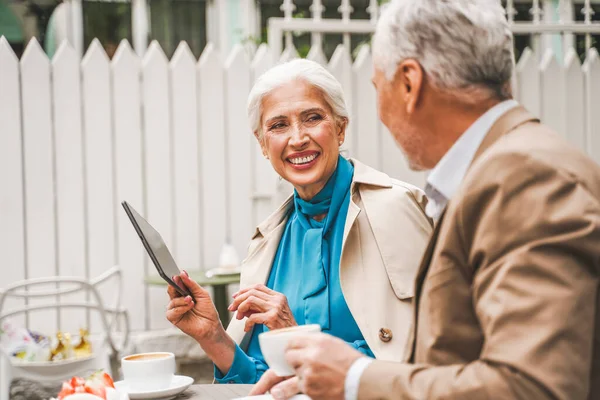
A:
x,y
445,179
442,183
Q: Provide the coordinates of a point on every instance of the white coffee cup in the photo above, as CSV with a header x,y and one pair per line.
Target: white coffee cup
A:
x,y
148,371
274,343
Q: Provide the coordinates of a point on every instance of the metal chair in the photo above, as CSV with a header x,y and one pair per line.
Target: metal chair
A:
x,y
110,318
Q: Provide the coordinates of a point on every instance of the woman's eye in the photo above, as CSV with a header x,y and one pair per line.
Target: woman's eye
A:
x,y
314,117
276,126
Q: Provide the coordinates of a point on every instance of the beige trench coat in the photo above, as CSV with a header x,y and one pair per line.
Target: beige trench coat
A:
x,y
385,235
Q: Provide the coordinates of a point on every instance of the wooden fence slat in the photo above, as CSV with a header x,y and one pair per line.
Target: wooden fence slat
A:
x,y
263,175
38,150
129,177
592,90
290,53
316,54
340,66
574,96
12,228
239,145
185,156
528,78
367,140
553,94
99,170
213,161
157,165
70,190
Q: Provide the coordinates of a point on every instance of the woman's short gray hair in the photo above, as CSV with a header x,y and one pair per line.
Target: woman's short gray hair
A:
x,y
461,44
309,71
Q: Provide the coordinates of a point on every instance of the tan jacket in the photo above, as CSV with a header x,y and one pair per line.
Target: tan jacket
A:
x,y
507,293
385,235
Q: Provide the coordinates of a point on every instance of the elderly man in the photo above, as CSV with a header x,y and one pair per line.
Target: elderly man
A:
x,y
506,302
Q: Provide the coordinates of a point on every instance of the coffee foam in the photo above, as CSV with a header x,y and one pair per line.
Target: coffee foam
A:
x,y
148,356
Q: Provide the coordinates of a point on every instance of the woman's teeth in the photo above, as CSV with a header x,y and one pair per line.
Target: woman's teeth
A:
x,y
303,160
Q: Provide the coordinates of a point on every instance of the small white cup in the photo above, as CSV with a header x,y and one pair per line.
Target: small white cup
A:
x,y
148,371
273,345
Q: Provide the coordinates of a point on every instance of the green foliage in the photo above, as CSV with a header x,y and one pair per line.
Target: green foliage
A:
x,y
109,22
303,50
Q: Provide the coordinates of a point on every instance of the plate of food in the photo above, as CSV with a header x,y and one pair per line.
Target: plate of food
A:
x,y
98,386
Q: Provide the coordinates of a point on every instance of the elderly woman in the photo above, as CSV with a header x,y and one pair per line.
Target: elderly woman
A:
x,y
341,252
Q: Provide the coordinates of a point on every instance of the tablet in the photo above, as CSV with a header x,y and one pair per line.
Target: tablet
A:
x,y
156,248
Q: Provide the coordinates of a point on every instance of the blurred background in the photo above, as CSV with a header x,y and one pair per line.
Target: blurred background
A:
x,y
223,22
145,101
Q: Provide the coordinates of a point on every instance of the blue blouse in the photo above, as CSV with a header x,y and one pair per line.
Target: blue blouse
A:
x,y
306,271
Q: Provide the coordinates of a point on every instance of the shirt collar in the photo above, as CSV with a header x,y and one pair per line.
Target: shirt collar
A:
x,y
445,179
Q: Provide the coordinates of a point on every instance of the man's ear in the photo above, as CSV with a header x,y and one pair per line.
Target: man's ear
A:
x,y
409,77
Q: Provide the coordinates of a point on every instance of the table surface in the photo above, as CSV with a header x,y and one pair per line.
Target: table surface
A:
x,y
200,277
215,392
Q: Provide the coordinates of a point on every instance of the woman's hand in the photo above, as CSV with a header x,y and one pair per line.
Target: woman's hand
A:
x,y
198,319
262,306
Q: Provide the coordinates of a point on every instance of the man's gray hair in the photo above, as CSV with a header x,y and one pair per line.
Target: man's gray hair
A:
x,y
308,71
460,44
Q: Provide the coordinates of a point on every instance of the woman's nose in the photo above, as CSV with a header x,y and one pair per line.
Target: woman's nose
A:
x,y
298,138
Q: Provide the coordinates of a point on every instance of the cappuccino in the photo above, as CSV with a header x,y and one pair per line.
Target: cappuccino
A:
x,y
146,356
148,371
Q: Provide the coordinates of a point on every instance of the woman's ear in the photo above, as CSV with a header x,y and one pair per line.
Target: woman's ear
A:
x,y
260,139
341,133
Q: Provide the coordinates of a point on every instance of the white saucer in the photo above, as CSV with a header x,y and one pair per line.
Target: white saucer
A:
x,y
223,271
178,385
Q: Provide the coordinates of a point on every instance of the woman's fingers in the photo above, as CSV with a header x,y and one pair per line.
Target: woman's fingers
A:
x,y
176,314
196,290
177,308
239,299
260,287
258,318
180,302
172,292
242,315
253,304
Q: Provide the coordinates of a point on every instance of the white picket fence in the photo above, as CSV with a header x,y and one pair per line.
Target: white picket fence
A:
x,y
171,137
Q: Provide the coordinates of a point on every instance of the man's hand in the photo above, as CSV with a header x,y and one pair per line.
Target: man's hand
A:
x,y
321,363
284,390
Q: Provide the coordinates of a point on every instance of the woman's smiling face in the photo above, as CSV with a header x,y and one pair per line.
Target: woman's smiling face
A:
x,y
301,136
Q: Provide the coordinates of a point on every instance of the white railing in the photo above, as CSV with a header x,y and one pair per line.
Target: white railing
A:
x,y
229,20
171,137
537,27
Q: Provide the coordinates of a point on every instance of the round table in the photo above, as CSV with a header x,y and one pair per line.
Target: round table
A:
x,y
218,283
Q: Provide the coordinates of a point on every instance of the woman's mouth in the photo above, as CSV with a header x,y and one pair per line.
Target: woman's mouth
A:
x,y
303,161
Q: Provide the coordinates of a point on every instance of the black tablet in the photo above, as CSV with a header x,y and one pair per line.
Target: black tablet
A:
x,y
156,248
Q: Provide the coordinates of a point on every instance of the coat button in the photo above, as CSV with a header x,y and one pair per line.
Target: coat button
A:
x,y
385,335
